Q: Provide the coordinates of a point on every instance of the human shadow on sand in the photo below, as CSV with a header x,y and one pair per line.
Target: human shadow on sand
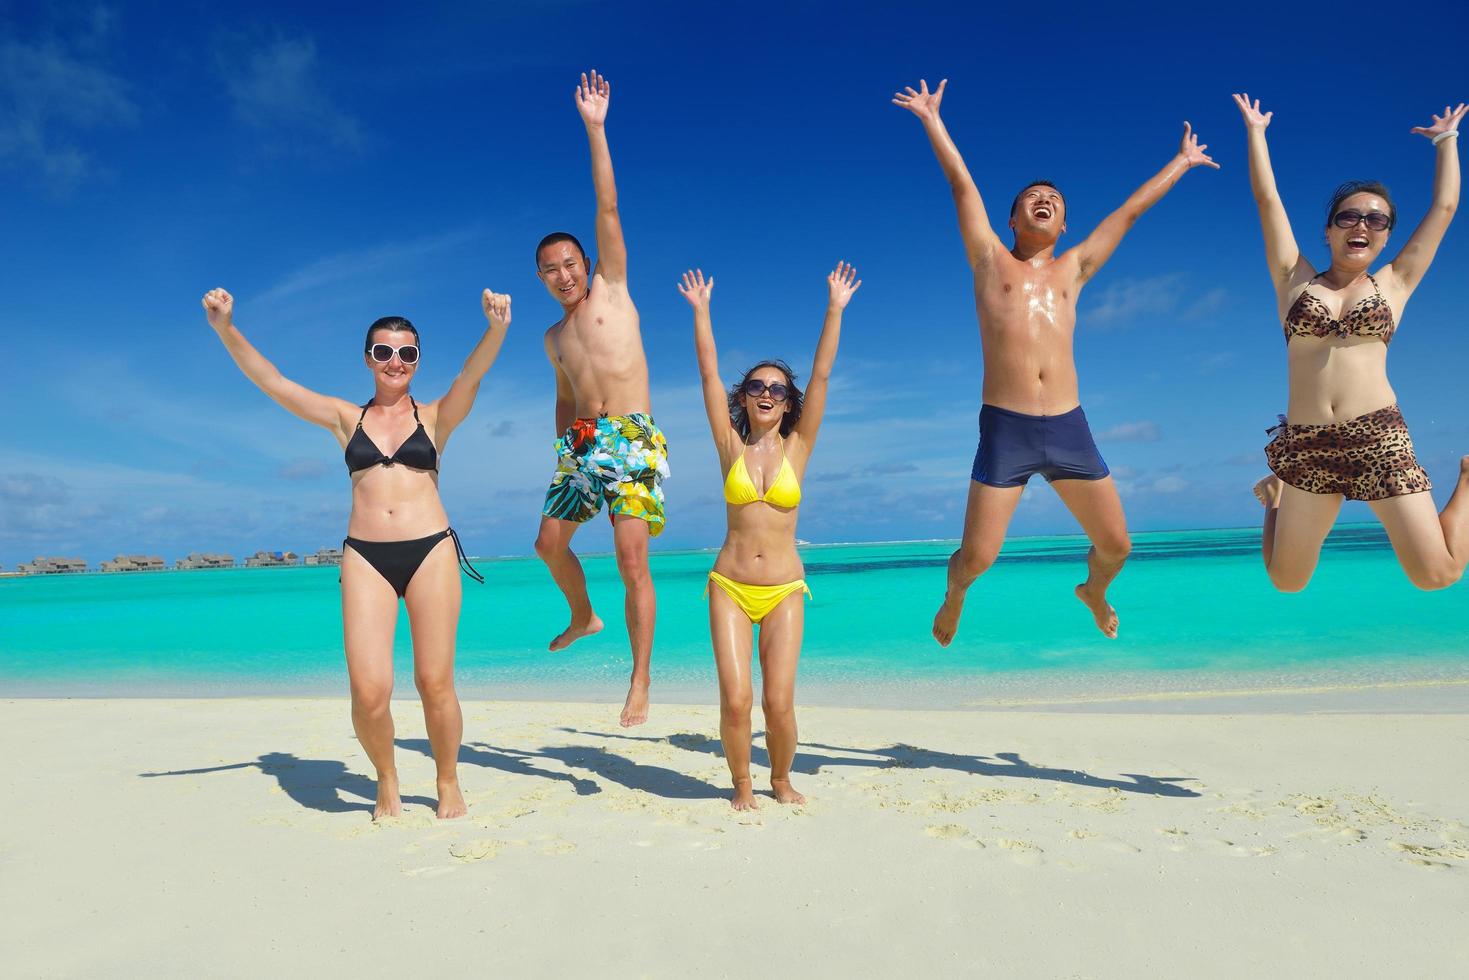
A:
x,y
900,756
513,761
667,783
315,784
598,761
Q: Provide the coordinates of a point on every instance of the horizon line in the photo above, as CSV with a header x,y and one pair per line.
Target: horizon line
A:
x,y
12,573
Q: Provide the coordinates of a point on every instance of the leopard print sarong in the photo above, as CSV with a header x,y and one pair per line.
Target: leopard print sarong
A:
x,y
1369,457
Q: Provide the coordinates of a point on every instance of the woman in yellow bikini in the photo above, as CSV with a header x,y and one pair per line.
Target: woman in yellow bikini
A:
x,y
764,429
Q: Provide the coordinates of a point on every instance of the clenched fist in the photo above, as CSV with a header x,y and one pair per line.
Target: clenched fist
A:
x,y
497,308
219,307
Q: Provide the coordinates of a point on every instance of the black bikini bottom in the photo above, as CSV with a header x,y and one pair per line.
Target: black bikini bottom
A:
x,y
397,561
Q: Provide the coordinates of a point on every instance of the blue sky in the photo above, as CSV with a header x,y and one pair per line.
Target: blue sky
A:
x,y
333,164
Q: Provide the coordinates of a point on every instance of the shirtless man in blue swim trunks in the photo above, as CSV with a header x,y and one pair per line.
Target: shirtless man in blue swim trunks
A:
x,y
1032,420
608,449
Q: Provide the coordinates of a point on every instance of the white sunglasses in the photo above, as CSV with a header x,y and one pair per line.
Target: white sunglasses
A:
x,y
383,353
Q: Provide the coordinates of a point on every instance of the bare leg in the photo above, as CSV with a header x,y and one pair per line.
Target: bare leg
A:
x,y
630,538
729,630
1098,509
1432,548
986,517
780,649
553,544
1268,492
369,617
1296,525
433,615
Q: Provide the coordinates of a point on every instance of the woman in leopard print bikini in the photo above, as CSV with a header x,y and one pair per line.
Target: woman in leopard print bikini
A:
x,y
1345,438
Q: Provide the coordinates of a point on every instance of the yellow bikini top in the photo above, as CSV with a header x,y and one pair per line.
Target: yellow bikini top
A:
x,y
740,489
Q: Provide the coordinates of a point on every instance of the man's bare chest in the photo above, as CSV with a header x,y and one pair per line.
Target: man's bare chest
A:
x,y
595,334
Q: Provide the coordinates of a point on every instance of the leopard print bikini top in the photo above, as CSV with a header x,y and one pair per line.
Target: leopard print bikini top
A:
x,y
1309,317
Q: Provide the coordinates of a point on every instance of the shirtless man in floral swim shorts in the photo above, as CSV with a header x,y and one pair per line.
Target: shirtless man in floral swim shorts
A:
x,y
608,447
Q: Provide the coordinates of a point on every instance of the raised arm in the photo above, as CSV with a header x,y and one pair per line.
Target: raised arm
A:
x,y
1413,261
980,239
323,410
1282,254
592,98
454,407
565,397
840,285
697,290
1098,247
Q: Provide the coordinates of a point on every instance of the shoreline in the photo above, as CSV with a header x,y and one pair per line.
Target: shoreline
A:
x,y
1426,695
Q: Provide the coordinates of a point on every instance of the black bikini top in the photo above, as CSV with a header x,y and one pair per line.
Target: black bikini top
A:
x,y
417,451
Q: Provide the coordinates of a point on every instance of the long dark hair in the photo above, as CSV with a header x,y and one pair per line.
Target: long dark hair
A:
x,y
389,323
1363,187
741,418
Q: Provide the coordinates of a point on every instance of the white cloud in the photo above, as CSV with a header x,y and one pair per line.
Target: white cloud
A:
x,y
1207,305
1170,484
1131,432
361,265
49,98
1125,301
1210,363
276,89
304,468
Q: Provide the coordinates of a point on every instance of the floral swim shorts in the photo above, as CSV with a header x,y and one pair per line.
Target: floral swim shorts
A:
x,y
622,458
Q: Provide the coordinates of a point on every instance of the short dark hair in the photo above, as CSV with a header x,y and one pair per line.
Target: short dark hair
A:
x,y
795,399
1036,183
1362,187
389,323
559,236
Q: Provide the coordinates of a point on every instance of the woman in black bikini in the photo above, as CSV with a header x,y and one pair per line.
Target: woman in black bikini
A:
x,y
399,541
1343,437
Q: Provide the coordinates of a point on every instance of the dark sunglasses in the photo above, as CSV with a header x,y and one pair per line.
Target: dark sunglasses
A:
x,y
1375,220
383,353
755,388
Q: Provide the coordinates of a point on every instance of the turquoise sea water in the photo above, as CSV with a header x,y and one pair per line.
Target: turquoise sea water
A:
x,y
1196,609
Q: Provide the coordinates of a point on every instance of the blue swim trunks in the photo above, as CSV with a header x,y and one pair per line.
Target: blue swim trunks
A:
x,y
1014,447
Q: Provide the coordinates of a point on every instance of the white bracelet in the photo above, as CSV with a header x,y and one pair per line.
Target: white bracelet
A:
x,y
1447,134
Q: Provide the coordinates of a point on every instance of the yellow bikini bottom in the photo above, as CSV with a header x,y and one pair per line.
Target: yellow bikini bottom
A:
x,y
756,600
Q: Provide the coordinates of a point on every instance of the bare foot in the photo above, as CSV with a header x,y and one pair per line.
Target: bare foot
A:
x,y
635,711
784,791
451,801
1104,614
744,795
389,803
1267,491
946,620
577,630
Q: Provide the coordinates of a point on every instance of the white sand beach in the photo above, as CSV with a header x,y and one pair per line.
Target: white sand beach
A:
x,y
954,843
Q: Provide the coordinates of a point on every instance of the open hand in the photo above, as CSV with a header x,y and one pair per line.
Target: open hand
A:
x,y
592,97
923,103
1254,118
1448,122
1192,151
696,289
497,308
842,283
219,307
